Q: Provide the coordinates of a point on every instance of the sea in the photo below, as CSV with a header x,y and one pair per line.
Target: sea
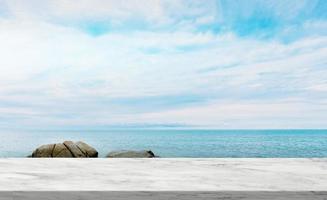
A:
x,y
178,143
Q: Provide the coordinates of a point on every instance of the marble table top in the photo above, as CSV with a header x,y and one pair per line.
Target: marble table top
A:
x,y
163,174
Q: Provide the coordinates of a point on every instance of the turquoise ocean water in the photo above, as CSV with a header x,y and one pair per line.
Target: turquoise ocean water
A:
x,y
179,143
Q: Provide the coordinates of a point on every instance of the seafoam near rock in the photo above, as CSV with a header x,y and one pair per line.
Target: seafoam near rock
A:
x,y
131,154
67,149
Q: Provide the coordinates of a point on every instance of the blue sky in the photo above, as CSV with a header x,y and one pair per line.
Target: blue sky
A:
x,y
213,64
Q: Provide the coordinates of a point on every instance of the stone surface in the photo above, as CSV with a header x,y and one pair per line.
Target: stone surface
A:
x,y
68,149
77,153
43,151
61,150
87,149
162,195
161,174
131,154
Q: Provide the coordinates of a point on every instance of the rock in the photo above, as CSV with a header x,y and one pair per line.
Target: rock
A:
x,y
77,153
131,154
87,149
68,149
61,150
43,151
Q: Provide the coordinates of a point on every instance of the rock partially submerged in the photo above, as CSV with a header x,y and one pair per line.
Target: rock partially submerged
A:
x,y
131,154
67,149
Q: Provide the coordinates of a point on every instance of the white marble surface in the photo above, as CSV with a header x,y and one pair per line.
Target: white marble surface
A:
x,y
161,174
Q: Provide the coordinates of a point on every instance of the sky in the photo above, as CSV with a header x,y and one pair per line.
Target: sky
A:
x,y
241,64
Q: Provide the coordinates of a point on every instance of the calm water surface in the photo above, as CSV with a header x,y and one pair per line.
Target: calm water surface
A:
x,y
179,143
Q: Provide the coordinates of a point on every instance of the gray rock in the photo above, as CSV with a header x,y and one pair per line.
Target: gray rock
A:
x,y
87,149
68,149
43,151
61,151
77,153
131,154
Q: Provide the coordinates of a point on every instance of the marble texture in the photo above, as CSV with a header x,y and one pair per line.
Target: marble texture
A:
x,y
152,195
163,174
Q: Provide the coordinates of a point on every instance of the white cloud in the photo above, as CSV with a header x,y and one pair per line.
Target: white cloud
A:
x,y
59,75
319,87
247,114
159,12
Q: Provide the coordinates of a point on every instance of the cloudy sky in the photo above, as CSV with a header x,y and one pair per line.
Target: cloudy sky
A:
x,y
182,63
